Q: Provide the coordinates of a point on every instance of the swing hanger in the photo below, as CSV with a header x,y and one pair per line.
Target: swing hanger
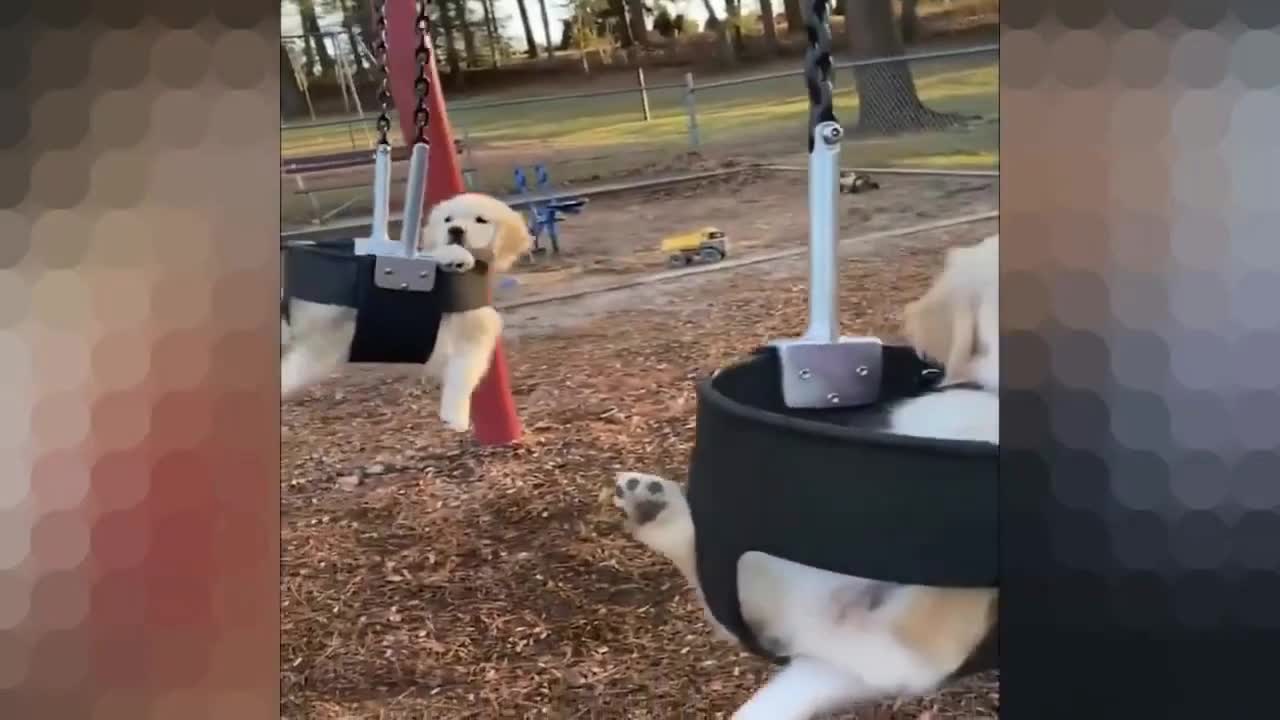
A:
x,y
823,369
398,264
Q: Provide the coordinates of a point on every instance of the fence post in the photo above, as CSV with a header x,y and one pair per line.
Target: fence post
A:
x,y
644,93
691,109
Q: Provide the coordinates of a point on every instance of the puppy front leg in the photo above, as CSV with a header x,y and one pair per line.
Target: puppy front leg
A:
x,y
463,371
803,689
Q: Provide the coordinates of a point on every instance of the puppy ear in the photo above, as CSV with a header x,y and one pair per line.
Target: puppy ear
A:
x,y
511,239
942,325
433,235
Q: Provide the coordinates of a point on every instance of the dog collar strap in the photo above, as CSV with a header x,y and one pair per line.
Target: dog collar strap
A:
x,y
460,292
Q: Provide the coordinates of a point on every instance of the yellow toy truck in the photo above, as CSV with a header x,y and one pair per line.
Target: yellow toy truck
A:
x,y
706,245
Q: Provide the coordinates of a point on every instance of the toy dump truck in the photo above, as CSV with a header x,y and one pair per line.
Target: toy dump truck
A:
x,y
706,245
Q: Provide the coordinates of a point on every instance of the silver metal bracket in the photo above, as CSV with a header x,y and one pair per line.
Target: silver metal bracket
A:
x,y
416,274
820,375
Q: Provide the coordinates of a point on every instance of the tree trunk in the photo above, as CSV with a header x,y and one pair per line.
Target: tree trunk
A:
x,y
795,17
727,52
770,29
546,29
491,31
616,20
311,28
293,103
732,8
450,44
461,9
349,22
531,47
910,21
635,21
887,97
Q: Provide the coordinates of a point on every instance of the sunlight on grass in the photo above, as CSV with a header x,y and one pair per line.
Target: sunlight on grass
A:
x,y
753,109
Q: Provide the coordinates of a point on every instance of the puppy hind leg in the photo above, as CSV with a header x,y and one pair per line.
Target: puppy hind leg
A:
x,y
313,357
802,690
658,515
302,365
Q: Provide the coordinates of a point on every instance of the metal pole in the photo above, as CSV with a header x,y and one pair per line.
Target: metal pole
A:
x,y
644,94
414,200
691,109
824,254
381,194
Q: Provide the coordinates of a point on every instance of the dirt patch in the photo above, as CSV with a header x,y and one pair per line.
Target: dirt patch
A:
x,y
424,577
618,236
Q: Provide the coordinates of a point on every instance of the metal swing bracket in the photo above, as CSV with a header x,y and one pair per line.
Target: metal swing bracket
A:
x,y
822,369
397,264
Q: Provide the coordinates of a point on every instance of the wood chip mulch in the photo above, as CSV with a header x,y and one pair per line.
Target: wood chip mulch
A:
x,y
427,578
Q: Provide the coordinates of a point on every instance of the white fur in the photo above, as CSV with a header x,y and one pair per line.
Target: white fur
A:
x,y
318,338
846,650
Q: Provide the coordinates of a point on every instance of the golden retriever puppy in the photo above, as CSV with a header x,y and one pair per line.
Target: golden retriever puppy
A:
x,y
853,640
459,233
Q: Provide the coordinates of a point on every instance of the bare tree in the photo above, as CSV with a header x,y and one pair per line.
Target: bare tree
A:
x,y
292,102
546,29
770,28
491,31
349,22
733,9
530,45
450,44
727,51
462,13
635,22
316,46
910,21
887,98
795,17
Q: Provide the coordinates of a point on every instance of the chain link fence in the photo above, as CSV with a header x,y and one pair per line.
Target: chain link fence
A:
x,y
936,110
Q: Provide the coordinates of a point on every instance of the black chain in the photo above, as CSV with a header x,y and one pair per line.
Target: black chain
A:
x,y
422,85
380,52
817,66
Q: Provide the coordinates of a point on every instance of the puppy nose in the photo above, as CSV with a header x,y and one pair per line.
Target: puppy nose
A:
x,y
456,235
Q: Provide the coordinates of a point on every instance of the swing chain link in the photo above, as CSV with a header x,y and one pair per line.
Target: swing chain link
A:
x,y
384,90
422,85
817,66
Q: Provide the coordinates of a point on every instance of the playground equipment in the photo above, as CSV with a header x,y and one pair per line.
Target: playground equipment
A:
x,y
399,296
546,210
706,245
786,462
853,183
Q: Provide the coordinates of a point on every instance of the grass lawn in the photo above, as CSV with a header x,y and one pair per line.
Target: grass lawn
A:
x,y
592,138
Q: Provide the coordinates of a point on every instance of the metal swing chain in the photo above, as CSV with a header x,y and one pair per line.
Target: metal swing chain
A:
x,y
422,85
817,66
380,53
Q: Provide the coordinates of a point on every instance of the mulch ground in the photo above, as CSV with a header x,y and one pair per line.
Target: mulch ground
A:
x,y
426,578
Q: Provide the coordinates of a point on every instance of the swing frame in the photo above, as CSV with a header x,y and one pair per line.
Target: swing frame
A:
x,y
390,278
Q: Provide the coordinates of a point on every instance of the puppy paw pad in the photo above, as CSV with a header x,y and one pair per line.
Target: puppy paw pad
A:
x,y
643,498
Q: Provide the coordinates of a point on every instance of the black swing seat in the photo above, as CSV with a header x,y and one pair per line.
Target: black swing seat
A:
x,y
398,313
832,490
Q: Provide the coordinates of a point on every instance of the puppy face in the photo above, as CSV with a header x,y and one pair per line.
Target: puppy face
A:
x,y
956,323
482,224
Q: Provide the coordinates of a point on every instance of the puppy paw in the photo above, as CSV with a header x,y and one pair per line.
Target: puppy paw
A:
x,y
455,259
646,499
459,422
657,515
